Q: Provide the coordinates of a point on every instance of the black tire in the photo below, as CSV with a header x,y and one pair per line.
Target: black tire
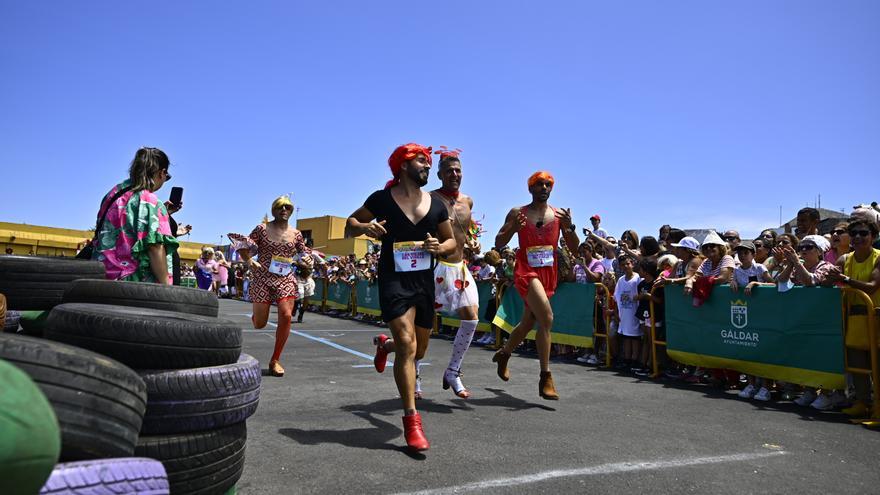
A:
x,y
30,440
197,399
31,282
146,338
131,475
205,463
143,295
99,402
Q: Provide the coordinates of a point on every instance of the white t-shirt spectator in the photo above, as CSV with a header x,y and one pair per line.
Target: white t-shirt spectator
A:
x,y
486,272
754,273
626,293
601,233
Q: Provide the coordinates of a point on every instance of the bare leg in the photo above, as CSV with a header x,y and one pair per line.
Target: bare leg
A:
x,y
543,313
260,315
405,342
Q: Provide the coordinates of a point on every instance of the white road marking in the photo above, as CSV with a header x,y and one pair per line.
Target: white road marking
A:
x,y
611,468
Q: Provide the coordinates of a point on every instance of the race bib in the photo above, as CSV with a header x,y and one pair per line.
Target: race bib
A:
x,y
281,265
411,257
540,256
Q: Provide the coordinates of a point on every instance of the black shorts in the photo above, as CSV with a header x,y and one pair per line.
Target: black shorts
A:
x,y
400,291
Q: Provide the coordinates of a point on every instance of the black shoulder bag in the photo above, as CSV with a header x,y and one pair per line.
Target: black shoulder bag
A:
x,y
88,250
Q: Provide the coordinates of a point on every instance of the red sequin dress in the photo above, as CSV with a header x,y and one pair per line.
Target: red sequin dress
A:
x,y
530,236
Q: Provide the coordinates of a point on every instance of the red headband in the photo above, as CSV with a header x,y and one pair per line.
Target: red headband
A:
x,y
542,175
445,152
402,154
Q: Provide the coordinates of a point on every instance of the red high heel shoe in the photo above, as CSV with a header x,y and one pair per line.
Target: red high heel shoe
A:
x,y
381,358
412,431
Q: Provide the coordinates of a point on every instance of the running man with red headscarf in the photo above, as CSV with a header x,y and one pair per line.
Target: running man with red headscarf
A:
x,y
455,290
414,229
539,226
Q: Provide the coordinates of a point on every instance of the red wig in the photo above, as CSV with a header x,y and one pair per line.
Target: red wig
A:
x,y
403,154
542,175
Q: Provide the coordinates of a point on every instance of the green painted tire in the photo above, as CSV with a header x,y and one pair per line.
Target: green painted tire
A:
x,y
30,440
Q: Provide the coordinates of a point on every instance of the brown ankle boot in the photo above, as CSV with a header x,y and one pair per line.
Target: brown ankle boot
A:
x,y
501,358
546,388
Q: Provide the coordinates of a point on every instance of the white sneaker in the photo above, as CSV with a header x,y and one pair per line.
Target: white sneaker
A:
x,y
806,399
490,340
583,359
748,392
593,360
822,403
763,395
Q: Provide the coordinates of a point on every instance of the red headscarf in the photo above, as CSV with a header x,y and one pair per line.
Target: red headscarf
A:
x,y
542,175
402,154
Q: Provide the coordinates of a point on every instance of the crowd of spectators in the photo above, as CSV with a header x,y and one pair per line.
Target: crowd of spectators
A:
x,y
636,270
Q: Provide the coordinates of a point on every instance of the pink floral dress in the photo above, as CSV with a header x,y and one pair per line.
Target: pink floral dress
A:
x,y
134,221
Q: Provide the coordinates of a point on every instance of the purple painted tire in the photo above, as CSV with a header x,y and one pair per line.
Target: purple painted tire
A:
x,y
108,476
198,399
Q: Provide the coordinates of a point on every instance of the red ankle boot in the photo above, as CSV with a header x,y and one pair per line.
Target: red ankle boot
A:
x,y
381,358
412,431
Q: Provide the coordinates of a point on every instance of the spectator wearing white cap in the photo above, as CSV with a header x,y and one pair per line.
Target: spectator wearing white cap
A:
x,y
689,260
747,276
718,265
806,266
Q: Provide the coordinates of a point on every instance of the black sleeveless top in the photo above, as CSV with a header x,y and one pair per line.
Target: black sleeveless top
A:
x,y
400,229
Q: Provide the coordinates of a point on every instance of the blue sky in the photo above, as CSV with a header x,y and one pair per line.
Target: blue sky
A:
x,y
692,113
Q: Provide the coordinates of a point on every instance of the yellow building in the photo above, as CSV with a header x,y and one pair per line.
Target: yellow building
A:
x,y
52,241
328,235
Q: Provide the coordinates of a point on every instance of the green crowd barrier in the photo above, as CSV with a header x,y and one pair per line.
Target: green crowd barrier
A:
x,y
339,296
573,310
368,298
484,290
188,282
794,336
319,289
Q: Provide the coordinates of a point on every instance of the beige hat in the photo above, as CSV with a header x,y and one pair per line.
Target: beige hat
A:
x,y
713,238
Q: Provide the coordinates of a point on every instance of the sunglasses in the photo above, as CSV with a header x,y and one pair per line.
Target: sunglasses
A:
x,y
805,247
285,207
167,175
730,238
758,245
838,232
863,233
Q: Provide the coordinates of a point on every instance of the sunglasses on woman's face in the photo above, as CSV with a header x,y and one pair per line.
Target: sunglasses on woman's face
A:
x,y
838,232
863,233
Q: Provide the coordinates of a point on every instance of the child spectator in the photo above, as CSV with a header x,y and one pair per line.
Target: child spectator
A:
x,y
626,294
648,273
749,275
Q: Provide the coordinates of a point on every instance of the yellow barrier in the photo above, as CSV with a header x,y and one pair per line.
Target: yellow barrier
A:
x,y
655,365
873,343
607,318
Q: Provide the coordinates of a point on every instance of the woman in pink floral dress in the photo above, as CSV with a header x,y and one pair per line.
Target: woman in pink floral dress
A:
x,y
135,242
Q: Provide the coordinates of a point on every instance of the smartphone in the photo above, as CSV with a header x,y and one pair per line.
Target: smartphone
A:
x,y
176,195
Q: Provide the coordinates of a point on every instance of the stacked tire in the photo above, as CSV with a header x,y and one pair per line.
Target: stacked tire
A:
x,y
199,388
99,404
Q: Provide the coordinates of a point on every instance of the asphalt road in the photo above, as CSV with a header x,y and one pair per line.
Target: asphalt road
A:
x,y
332,425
